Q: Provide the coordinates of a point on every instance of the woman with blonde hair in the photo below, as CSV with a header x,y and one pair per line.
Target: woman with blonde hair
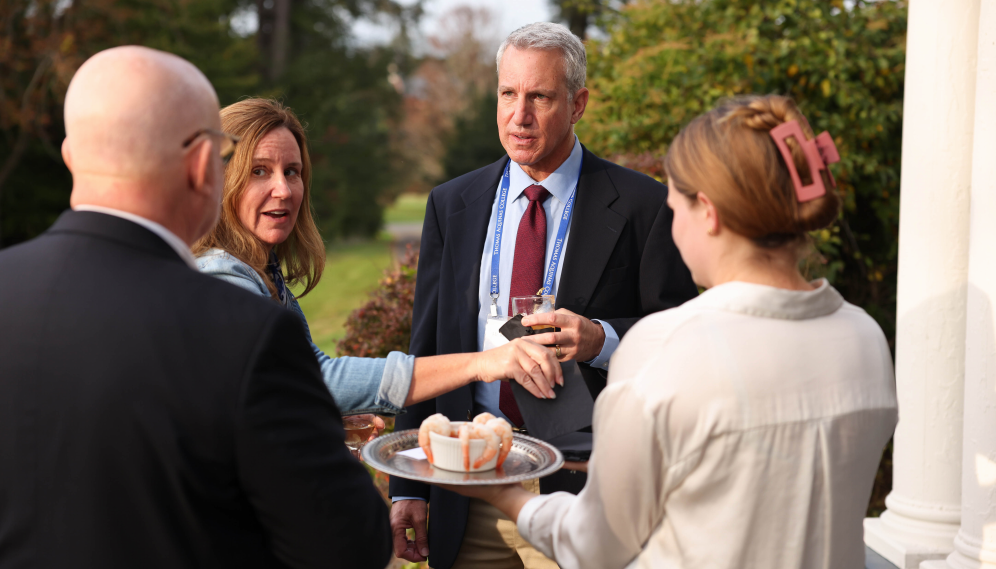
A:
x,y
743,428
266,241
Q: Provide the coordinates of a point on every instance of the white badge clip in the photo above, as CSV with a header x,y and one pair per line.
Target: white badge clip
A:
x,y
492,337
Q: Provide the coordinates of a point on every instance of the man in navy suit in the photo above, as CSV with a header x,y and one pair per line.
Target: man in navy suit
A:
x,y
502,231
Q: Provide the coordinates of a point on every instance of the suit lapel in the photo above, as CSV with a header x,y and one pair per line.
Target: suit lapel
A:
x,y
595,228
466,233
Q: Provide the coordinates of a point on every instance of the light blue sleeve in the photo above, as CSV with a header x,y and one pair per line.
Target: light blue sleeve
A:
x,y
608,347
364,385
221,265
358,385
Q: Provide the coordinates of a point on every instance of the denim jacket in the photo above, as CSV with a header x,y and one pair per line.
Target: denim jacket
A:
x,y
358,385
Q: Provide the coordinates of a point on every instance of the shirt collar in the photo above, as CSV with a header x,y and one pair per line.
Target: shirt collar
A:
x,y
770,302
560,184
166,235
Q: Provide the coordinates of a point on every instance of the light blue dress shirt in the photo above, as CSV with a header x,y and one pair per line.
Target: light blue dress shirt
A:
x,y
560,184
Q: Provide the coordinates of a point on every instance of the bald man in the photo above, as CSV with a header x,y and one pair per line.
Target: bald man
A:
x,y
152,416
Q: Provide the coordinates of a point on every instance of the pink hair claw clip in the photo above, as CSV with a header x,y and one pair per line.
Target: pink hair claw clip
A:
x,y
819,152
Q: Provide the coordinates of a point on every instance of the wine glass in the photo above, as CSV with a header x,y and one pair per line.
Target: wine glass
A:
x,y
534,304
358,430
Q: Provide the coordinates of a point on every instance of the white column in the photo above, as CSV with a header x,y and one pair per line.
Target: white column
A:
x,y
924,508
975,544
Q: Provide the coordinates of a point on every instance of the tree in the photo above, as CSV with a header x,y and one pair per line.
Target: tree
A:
x,y
340,91
44,42
579,14
666,62
474,142
443,95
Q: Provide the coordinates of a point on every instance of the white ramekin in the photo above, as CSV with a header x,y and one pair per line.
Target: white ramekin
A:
x,y
447,452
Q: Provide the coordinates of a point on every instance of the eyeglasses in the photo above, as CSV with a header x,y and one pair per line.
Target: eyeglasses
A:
x,y
228,142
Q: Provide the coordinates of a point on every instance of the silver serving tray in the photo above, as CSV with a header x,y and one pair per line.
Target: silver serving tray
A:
x,y
530,458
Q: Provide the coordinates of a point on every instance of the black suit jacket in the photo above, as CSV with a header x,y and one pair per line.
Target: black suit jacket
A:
x,y
620,266
152,416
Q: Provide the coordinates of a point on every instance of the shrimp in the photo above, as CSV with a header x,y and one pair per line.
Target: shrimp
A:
x,y
478,431
438,424
483,418
502,429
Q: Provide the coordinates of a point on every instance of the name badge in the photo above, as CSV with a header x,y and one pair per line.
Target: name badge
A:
x,y
493,338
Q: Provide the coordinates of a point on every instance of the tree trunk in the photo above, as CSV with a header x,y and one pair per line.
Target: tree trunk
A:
x,y
281,35
577,22
273,36
22,135
8,168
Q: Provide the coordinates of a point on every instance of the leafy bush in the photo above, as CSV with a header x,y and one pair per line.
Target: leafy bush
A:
x,y
384,323
663,63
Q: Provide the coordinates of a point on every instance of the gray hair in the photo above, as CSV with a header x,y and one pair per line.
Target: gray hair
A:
x,y
547,35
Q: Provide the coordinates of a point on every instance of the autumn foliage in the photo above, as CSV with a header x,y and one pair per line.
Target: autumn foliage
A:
x,y
384,323
663,63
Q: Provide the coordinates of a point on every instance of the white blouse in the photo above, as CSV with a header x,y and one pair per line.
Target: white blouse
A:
x,y
741,429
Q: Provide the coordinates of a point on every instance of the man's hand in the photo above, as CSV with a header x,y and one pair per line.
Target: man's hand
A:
x,y
412,514
529,363
579,339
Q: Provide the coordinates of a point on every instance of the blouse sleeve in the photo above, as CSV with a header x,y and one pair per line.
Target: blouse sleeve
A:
x,y
358,385
606,525
364,385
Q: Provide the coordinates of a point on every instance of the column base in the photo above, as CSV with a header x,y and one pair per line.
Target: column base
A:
x,y
969,553
948,564
906,553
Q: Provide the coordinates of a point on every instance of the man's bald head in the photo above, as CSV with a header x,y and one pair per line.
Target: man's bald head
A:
x,y
128,112
129,109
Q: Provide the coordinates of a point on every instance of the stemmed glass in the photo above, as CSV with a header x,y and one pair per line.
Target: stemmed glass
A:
x,y
358,431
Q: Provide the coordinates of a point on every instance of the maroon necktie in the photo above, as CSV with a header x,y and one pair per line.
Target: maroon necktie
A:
x,y
527,275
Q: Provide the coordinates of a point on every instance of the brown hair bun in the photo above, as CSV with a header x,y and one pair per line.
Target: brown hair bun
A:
x,y
728,154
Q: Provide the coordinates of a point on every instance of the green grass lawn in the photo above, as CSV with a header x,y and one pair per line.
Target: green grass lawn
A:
x,y
352,270
407,209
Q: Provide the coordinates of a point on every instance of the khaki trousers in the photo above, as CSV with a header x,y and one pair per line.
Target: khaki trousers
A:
x,y
493,542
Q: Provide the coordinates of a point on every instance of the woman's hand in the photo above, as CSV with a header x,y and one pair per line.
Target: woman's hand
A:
x,y
486,493
532,365
378,425
576,466
579,339
508,498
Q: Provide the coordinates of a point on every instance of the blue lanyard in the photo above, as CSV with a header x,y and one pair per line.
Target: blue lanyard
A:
x,y
558,245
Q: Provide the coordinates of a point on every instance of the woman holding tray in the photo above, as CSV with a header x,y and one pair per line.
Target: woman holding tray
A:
x,y
266,240
743,428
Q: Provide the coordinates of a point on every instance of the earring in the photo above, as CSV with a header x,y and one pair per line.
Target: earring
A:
x,y
712,232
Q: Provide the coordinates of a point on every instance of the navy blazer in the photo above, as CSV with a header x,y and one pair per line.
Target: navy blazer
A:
x,y
621,265
153,416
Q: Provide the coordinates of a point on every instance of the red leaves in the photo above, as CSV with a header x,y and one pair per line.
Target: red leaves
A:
x,y
384,323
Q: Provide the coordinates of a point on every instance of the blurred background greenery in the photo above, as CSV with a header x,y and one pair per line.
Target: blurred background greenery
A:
x,y
388,120
396,117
